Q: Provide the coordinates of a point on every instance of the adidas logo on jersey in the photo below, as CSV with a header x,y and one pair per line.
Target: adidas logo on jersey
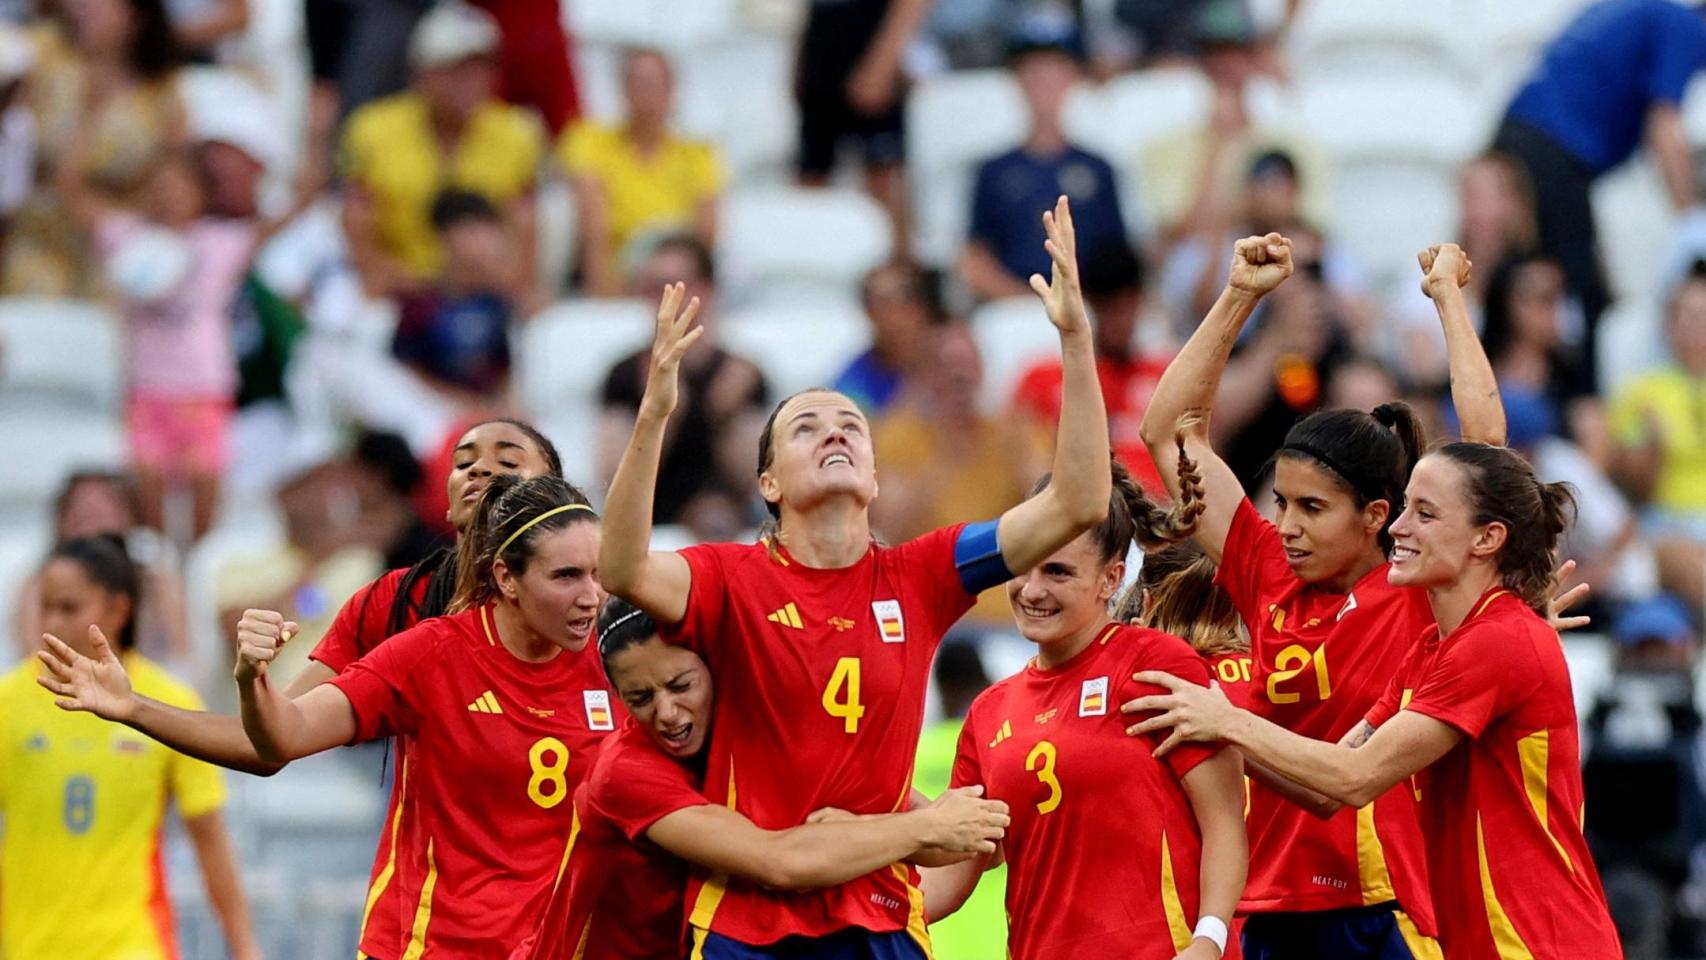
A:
x,y
1003,733
485,703
788,616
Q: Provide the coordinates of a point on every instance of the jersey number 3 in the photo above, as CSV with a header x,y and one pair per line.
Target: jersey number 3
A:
x,y
549,784
1041,762
841,695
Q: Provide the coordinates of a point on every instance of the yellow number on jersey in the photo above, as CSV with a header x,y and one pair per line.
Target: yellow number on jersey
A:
x,y
1041,761
1290,663
555,773
1234,670
849,710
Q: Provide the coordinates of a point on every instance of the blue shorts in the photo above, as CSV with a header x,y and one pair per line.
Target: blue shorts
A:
x,y
1380,932
850,944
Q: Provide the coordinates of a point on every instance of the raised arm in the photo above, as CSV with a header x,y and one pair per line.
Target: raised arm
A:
x,y
1474,391
1185,394
1077,497
281,728
655,581
833,851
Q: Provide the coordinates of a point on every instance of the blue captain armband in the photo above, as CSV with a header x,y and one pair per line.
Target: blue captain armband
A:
x,y
977,557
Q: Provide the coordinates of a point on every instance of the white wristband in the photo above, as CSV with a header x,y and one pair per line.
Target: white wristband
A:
x,y
1212,929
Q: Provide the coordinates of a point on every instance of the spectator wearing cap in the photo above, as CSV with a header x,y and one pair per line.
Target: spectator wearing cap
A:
x,y
638,180
901,308
1611,83
1129,360
1004,245
448,130
1658,424
1656,630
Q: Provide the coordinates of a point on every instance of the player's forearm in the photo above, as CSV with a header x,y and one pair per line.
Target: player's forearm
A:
x,y
946,889
1337,772
1081,484
1190,382
273,722
628,506
215,738
1294,793
224,883
825,854
1474,390
1225,864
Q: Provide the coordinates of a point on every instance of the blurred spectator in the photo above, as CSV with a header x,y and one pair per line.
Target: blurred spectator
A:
x,y
321,563
944,459
449,130
705,473
901,307
850,89
110,68
533,59
1196,269
1523,333
93,503
1004,244
1659,433
358,51
201,26
1127,363
17,124
1360,383
1156,32
640,179
454,333
1611,82
1278,370
1192,179
387,475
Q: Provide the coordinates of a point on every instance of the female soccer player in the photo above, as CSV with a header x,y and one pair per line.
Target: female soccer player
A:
x,y
387,606
1175,592
85,802
1088,873
641,816
822,639
1481,708
1327,630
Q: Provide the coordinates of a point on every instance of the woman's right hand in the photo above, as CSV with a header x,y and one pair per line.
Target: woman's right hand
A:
x,y
675,333
961,821
96,685
1260,264
260,636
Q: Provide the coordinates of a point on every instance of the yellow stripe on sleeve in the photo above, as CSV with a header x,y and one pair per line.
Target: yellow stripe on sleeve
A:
x,y
1177,925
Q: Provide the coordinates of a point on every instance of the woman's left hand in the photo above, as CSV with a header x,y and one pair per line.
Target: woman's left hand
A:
x,y
1556,607
1195,713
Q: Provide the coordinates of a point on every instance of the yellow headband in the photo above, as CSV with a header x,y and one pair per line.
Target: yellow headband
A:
x,y
565,508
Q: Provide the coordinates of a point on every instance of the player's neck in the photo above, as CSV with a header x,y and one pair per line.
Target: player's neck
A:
x,y
1052,655
835,535
520,639
1345,582
1453,602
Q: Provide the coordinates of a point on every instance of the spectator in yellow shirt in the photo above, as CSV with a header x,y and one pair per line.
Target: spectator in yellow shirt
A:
x,y
638,181
448,130
84,800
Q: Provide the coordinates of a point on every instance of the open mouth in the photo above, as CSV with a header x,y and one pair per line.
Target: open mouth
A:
x,y
472,494
580,628
1295,557
1401,554
1035,613
677,737
836,458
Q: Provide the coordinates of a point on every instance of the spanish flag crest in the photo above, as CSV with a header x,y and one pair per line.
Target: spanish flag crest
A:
x,y
890,625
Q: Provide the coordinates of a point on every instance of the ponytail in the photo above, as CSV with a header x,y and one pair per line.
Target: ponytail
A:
x,y
1501,488
508,520
1133,517
1185,601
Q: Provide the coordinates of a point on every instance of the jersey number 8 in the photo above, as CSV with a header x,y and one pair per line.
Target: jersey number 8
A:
x,y
549,759
79,805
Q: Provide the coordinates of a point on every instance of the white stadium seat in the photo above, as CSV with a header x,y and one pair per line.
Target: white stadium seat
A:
x,y
1635,222
562,356
59,353
826,238
954,122
1347,38
58,442
1011,334
798,345
1392,118
1631,341
557,234
651,23
1124,116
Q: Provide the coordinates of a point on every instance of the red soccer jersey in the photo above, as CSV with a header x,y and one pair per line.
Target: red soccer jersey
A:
x,y
1321,661
1127,387
1233,672
619,896
821,679
496,745
1103,851
1501,812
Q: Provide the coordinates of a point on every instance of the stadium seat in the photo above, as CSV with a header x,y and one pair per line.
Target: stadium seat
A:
x,y
557,234
1011,334
22,547
651,23
1349,38
954,122
1500,43
798,345
246,534
1391,210
562,356
59,354
1634,216
1631,340
1122,117
1402,117
825,238
58,443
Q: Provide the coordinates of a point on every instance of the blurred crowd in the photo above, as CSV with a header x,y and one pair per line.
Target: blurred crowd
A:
x,y
310,311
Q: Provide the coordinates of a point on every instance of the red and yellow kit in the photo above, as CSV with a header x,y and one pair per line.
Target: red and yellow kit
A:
x,y
496,749
1234,672
1321,662
1103,852
821,679
1512,876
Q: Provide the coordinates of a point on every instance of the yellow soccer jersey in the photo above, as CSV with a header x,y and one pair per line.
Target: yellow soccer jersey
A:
x,y
83,802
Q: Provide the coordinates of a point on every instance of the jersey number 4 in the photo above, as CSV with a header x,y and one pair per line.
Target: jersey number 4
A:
x,y
841,694
1289,663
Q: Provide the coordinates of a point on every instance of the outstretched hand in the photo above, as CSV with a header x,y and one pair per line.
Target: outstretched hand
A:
x,y
97,685
1444,267
1061,294
675,333
1195,713
1260,264
1556,607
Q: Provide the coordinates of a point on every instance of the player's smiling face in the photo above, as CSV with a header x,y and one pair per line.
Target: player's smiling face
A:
x,y
486,451
1066,594
1324,533
820,448
667,691
1436,538
558,592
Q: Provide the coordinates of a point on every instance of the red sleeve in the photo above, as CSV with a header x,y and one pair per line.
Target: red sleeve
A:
x,y
968,771
1482,674
707,594
932,568
1169,654
1252,564
360,623
641,788
385,686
